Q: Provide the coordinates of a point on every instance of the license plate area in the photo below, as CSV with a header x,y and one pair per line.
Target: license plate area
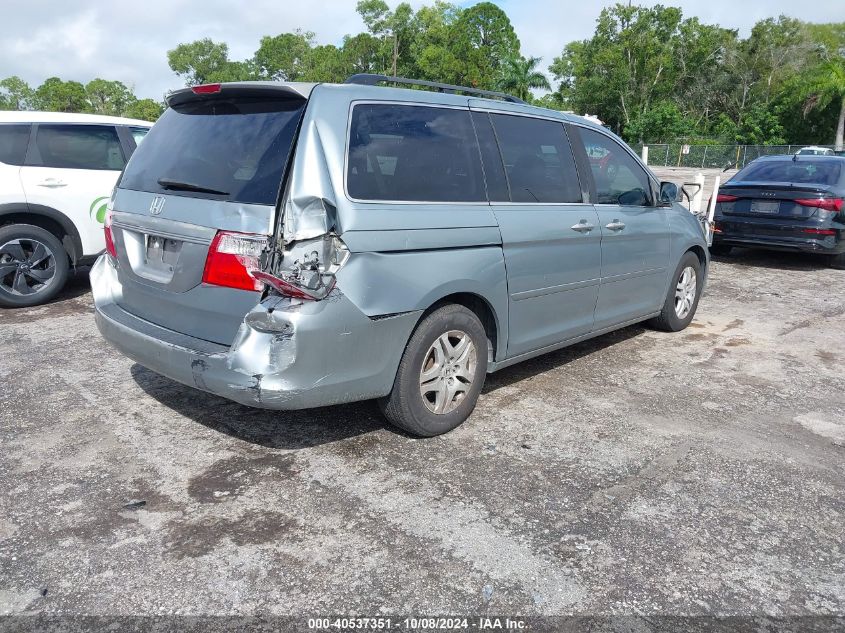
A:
x,y
765,206
161,252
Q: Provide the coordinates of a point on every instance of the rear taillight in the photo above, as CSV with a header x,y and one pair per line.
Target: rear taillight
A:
x,y
110,249
825,204
232,260
820,231
726,197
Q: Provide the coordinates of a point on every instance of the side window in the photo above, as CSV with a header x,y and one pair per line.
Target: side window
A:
x,y
619,178
138,134
13,142
491,158
538,159
413,153
78,147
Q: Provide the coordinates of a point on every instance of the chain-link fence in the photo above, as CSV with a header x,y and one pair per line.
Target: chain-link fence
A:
x,y
701,156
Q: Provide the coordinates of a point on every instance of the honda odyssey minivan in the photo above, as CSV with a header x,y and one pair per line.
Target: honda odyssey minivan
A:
x,y
294,245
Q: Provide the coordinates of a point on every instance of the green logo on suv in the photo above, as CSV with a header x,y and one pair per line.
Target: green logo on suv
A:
x,y
98,209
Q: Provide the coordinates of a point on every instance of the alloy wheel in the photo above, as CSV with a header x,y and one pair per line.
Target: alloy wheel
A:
x,y
27,266
447,371
685,292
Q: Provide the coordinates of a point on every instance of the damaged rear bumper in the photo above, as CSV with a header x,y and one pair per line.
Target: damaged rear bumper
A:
x,y
286,354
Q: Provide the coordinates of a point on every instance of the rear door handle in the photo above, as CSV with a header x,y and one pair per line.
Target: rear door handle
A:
x,y
52,182
583,227
616,225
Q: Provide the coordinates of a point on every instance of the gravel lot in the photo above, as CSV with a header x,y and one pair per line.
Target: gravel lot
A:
x,y
639,473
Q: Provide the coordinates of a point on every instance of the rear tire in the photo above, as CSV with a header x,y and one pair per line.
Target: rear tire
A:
x,y
720,249
837,261
33,266
440,375
682,298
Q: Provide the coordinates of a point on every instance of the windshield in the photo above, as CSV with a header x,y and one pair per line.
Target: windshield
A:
x,y
816,172
223,149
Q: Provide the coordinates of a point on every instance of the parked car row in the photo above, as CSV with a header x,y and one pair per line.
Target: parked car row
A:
x,y
294,245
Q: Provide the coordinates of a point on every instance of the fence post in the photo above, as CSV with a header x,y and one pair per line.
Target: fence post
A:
x,y
704,158
666,160
645,155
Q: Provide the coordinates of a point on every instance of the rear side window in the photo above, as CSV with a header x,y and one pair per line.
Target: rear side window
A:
x,y
13,142
413,153
538,159
618,177
138,134
808,171
232,149
77,147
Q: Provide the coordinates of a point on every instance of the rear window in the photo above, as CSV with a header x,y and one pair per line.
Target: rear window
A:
x,y
224,149
13,142
818,172
413,153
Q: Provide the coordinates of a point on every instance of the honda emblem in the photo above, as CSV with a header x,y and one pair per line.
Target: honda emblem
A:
x,y
157,205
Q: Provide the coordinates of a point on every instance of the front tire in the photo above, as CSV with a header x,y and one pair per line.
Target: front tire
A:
x,y
33,266
440,375
682,299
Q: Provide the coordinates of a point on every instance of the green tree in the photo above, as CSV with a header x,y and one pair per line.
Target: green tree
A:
x,y
285,57
112,98
520,75
15,94
361,53
826,81
395,29
144,109
199,62
55,95
481,38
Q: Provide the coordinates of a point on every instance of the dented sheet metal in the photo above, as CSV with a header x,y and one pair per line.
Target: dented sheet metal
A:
x,y
286,354
311,207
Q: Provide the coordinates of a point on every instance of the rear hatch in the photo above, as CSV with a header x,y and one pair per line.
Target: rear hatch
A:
x,y
206,180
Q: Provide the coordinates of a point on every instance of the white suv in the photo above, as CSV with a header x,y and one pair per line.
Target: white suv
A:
x,y
57,172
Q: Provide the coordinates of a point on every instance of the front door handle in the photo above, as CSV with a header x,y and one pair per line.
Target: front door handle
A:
x,y
616,225
52,182
583,227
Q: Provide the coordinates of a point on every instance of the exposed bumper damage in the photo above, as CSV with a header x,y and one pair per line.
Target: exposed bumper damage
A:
x,y
286,354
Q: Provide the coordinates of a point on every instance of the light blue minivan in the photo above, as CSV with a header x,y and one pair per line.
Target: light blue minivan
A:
x,y
294,245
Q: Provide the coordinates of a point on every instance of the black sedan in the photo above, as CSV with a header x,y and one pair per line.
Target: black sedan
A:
x,y
790,203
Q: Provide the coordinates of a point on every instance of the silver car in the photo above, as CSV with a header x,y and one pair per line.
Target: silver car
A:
x,y
295,245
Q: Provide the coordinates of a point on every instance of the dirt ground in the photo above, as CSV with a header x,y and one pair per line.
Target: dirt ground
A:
x,y
640,473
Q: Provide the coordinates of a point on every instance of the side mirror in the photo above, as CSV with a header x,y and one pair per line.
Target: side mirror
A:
x,y
670,192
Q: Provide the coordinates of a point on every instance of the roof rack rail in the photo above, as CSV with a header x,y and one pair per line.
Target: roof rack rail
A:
x,y
366,79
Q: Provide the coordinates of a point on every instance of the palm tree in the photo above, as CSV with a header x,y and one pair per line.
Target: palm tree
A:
x,y
828,86
519,75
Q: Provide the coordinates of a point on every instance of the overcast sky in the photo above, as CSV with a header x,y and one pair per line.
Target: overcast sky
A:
x,y
118,39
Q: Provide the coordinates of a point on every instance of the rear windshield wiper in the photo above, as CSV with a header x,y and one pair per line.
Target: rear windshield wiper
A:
x,y
167,183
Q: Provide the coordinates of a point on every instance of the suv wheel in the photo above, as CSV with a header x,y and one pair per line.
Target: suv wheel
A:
x,y
33,266
441,373
682,298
